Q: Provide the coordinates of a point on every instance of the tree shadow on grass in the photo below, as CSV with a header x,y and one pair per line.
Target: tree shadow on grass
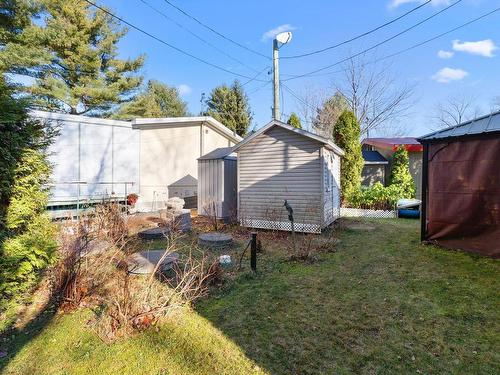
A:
x,y
13,339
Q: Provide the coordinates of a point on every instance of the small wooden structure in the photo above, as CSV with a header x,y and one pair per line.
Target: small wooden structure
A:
x,y
217,184
461,186
278,163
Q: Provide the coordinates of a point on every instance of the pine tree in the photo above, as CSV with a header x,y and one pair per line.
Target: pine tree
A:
x,y
294,120
229,105
157,100
27,237
75,67
400,173
346,133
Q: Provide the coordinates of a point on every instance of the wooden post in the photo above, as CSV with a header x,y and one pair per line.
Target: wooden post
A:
x,y
253,252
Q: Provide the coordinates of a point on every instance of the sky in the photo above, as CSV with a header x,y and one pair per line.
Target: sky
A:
x,y
465,62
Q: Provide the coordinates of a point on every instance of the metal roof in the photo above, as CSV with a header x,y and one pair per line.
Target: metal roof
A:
x,y
410,143
374,157
187,180
218,153
329,144
481,125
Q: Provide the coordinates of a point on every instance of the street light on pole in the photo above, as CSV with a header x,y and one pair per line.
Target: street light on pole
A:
x,y
279,40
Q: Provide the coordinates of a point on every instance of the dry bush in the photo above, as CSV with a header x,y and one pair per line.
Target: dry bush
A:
x,y
302,248
93,271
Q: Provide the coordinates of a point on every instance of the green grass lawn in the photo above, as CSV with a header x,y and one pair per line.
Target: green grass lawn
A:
x,y
381,304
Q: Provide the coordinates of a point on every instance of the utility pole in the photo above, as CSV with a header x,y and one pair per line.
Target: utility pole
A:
x,y
282,38
276,81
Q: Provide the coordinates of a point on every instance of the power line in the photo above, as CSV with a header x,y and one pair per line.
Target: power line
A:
x,y
166,43
378,44
358,36
255,77
215,31
418,44
180,25
259,88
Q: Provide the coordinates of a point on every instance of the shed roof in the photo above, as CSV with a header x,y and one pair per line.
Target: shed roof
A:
x,y
43,115
172,122
329,144
218,153
481,125
374,157
410,143
187,180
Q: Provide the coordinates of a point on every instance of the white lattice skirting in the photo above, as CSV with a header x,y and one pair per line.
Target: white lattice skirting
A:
x,y
359,212
280,225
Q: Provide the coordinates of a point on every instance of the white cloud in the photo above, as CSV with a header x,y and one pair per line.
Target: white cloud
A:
x,y
481,47
184,89
270,34
396,3
447,75
445,54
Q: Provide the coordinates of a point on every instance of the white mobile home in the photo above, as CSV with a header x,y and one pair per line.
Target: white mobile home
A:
x,y
168,153
157,158
280,162
92,158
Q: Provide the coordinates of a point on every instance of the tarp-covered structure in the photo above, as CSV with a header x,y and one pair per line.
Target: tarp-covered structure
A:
x,y
461,186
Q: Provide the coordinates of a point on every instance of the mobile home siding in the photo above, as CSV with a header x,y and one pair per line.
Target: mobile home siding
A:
x,y
276,166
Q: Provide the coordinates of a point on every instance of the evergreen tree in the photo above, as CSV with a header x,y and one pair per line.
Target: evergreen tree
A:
x,y
346,133
294,120
158,100
75,65
229,105
27,242
400,173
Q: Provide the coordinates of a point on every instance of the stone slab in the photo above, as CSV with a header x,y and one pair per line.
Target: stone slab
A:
x,y
215,240
145,262
154,233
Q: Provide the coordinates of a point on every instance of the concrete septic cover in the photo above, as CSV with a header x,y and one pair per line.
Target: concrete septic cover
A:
x,y
215,239
154,233
145,262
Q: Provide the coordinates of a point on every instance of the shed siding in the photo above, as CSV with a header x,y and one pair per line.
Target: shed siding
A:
x,y
275,166
217,187
331,186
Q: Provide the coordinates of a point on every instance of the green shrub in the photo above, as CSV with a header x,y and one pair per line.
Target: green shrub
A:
x,y
400,173
376,197
27,237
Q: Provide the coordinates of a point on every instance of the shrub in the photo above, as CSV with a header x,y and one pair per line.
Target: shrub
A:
x,y
27,237
376,197
400,173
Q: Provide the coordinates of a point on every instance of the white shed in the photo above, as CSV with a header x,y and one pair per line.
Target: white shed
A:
x,y
280,162
217,184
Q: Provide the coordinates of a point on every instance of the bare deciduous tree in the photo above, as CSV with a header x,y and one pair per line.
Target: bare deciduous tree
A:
x,y
495,105
328,114
454,110
373,95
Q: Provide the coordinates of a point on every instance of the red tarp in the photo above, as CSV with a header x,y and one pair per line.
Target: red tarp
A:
x,y
463,204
